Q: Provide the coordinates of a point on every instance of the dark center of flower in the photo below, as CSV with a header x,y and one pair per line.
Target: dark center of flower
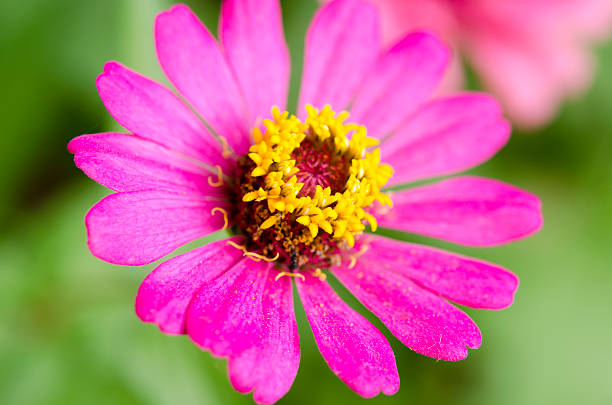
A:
x,y
304,189
320,164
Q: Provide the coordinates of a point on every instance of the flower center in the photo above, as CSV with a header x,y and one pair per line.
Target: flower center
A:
x,y
305,188
319,165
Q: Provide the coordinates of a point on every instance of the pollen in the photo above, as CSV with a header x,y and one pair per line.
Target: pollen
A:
x,y
307,188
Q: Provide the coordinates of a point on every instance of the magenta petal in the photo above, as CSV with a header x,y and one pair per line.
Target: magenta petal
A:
x,y
192,59
151,111
165,293
403,79
446,136
247,316
354,349
342,43
125,162
140,227
466,210
251,32
531,70
423,321
461,279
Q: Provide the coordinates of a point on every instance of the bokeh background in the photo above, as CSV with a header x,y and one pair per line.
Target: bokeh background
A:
x,y
68,332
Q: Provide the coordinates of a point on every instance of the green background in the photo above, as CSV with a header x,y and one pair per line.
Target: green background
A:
x,y
68,331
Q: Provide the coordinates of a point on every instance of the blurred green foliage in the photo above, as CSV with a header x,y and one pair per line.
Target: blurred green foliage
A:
x,y
69,333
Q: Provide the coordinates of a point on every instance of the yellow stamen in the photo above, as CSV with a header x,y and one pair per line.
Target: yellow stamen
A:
x,y
257,257
371,220
227,151
237,246
269,222
258,171
225,216
219,181
252,255
320,275
354,257
285,273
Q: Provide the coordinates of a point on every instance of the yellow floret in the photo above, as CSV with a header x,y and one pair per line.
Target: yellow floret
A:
x,y
342,215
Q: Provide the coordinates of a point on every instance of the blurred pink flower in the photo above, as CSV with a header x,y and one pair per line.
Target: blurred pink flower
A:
x,y
176,182
532,54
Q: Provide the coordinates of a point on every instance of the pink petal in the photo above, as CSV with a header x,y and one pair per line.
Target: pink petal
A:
x,y
139,227
192,60
525,81
461,279
532,54
164,295
592,18
352,347
446,136
531,81
400,17
454,78
151,111
342,44
404,78
125,162
467,210
246,315
422,321
251,32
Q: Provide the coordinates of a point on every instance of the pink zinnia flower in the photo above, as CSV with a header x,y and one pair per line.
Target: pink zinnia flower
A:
x,y
532,54
298,194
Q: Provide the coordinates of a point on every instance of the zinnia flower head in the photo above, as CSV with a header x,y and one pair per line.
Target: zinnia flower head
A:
x,y
299,191
532,54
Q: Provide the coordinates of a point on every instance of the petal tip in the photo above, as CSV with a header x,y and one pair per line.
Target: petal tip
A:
x,y
110,67
98,246
434,42
74,143
174,9
177,11
506,300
